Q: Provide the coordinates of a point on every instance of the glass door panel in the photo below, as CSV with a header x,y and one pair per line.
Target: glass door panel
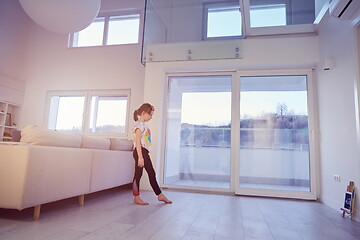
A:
x,y
198,132
274,134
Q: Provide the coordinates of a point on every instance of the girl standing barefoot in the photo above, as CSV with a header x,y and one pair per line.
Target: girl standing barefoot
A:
x,y
142,147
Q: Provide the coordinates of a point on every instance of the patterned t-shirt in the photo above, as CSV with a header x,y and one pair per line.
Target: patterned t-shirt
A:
x,y
145,135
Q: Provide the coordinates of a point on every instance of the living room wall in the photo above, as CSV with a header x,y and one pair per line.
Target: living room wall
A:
x,y
51,65
338,110
39,59
13,35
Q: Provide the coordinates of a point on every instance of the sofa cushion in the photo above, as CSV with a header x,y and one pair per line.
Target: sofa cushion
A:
x,y
33,134
121,144
118,169
95,142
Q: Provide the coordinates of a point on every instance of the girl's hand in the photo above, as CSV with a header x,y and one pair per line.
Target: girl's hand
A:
x,y
141,162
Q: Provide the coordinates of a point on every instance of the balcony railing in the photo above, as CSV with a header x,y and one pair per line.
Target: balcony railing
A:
x,y
287,139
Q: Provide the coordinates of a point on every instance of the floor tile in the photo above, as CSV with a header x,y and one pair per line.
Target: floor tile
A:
x,y
111,214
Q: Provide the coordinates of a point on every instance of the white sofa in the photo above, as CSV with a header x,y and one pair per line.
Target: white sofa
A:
x,y
47,166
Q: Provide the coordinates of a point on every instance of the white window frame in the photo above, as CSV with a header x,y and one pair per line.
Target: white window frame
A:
x,y
235,139
275,30
313,134
75,36
261,4
229,4
123,17
88,94
107,15
247,30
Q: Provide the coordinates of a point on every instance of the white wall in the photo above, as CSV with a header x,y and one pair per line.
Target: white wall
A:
x,y
51,65
340,148
13,32
260,53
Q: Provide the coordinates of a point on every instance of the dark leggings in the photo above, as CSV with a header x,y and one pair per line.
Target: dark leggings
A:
x,y
139,171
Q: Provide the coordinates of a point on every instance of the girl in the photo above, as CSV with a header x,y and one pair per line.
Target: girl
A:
x,y
142,144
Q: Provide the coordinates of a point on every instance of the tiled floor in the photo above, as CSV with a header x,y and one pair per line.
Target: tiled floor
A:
x,y
112,215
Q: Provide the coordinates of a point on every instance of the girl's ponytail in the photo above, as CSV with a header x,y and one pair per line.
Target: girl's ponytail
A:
x,y
136,115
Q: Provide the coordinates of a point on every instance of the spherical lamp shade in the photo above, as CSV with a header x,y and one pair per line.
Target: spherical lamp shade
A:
x,y
62,16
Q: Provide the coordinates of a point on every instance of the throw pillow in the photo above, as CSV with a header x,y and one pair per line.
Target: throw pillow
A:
x,y
33,134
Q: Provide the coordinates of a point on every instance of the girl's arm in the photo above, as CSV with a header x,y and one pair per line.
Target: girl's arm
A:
x,y
138,147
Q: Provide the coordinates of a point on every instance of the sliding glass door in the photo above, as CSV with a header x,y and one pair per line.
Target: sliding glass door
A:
x,y
198,130
243,132
274,153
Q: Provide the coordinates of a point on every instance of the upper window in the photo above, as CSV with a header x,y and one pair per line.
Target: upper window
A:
x,y
257,17
268,15
223,21
123,29
271,13
92,35
108,30
89,112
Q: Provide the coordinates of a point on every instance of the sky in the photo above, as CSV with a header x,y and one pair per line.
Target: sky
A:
x,y
214,108
111,112
70,113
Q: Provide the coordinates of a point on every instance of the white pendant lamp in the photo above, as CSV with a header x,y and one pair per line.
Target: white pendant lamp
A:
x,y
62,16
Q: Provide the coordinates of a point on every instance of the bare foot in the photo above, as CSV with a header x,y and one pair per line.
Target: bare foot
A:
x,y
162,197
139,201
